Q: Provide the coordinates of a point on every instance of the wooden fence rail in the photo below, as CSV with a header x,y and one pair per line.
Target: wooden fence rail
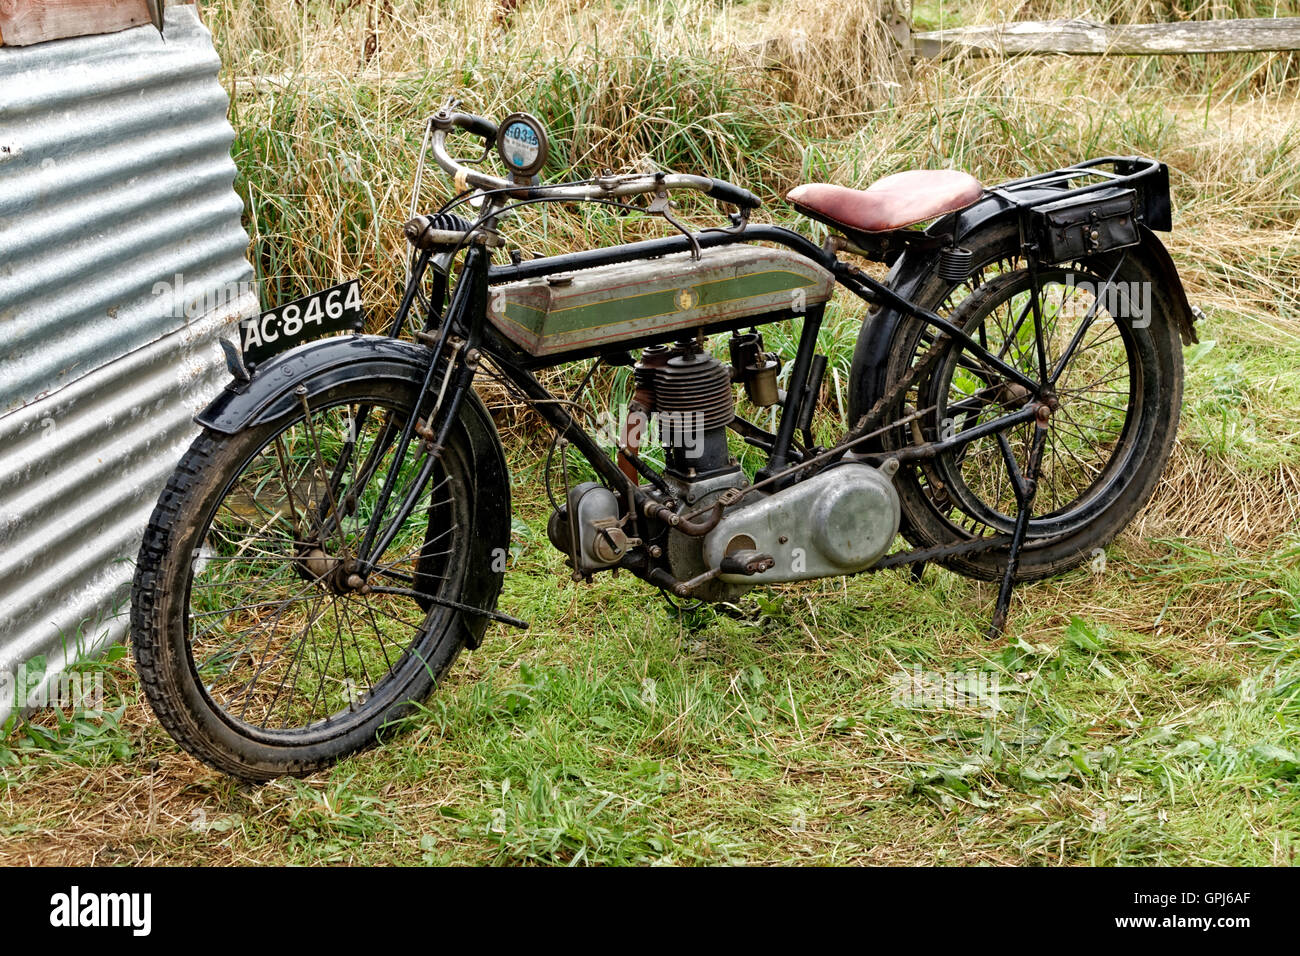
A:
x,y
1133,39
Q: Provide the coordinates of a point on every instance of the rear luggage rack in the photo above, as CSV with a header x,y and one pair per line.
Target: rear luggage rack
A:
x,y
1148,178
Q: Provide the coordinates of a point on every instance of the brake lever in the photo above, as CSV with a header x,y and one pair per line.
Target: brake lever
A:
x,y
661,205
739,220
487,151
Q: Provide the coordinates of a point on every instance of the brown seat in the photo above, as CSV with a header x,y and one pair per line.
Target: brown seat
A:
x,y
890,203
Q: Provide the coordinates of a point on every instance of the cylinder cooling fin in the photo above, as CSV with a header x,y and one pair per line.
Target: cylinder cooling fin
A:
x,y
696,383
694,402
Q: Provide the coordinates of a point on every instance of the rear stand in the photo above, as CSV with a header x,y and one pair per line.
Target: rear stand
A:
x,y
1024,486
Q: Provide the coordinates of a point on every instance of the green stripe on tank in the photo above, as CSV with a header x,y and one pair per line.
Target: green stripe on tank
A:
x,y
525,317
664,302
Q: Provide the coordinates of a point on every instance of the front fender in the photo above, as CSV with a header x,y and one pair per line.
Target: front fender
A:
x,y
317,365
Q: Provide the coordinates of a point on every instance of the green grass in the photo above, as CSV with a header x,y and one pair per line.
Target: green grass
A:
x,y
615,731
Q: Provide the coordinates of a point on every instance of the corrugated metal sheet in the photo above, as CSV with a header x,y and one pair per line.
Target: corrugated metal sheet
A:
x,y
115,180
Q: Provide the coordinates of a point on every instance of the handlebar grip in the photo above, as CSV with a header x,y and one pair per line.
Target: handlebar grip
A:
x,y
724,191
478,125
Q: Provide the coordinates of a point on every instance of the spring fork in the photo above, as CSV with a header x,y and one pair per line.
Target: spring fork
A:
x,y
454,311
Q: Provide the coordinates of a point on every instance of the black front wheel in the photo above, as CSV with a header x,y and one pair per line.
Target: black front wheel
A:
x,y
260,647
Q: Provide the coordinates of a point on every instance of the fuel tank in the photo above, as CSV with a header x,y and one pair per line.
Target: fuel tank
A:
x,y
607,305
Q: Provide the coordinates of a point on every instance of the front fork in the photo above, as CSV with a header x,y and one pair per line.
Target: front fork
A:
x,y
453,361
456,348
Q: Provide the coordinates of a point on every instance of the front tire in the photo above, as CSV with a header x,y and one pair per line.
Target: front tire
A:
x,y
252,647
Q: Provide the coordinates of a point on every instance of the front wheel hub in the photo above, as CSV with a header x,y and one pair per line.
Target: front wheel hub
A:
x,y
319,565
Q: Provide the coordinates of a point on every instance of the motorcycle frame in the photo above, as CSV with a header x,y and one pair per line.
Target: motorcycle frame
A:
x,y
462,337
463,329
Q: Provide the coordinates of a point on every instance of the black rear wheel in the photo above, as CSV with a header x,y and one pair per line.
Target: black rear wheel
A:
x,y
259,646
1114,356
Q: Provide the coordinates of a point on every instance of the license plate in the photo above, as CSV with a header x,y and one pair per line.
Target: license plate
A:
x,y
336,309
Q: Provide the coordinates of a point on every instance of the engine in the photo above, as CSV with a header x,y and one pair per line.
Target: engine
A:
x,y
693,403
684,400
839,521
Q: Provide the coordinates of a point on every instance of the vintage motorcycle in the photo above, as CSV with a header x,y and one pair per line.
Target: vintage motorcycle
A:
x,y
340,529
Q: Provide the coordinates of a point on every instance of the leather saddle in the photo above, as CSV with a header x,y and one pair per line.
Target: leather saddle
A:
x,y
894,202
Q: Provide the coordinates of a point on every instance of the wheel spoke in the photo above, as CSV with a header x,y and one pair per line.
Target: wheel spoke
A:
x,y
1088,355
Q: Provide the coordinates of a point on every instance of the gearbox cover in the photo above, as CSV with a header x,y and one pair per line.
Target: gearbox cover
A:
x,y
838,522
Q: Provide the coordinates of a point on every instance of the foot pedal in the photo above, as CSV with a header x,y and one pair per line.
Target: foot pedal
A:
x,y
747,562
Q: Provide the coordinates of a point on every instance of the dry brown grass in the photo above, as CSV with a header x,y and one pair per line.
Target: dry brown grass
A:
x,y
834,60
1222,503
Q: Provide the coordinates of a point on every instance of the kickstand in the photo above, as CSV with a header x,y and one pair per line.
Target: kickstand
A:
x,y
916,570
1024,486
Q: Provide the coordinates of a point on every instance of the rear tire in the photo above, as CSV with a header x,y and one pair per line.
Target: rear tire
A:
x,y
957,497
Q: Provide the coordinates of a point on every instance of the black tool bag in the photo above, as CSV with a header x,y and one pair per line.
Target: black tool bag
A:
x,y
1086,225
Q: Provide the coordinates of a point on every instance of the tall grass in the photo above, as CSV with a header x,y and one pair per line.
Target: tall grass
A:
x,y
765,95
328,101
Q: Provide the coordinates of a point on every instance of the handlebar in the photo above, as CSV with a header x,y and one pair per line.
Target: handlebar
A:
x,y
478,125
724,191
602,187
